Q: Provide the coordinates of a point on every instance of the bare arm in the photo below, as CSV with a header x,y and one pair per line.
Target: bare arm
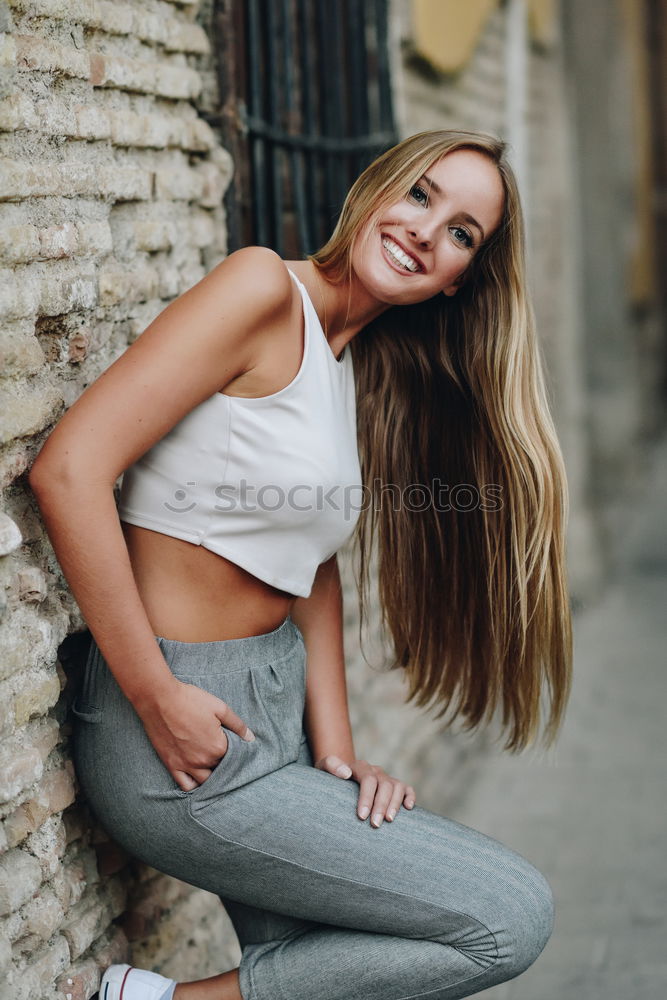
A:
x,y
202,340
319,617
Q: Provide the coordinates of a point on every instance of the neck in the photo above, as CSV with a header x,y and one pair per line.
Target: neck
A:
x,y
348,308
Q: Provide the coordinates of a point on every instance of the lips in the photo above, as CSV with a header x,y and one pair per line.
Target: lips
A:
x,y
399,256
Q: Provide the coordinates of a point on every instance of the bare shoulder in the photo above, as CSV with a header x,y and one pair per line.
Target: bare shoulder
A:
x,y
215,332
259,275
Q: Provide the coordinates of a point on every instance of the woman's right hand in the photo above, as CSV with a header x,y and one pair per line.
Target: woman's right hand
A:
x,y
184,725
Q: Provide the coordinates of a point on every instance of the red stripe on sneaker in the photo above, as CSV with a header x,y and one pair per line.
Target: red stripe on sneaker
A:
x,y
122,985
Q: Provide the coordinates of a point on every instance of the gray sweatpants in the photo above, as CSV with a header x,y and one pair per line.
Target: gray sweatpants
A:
x,y
325,906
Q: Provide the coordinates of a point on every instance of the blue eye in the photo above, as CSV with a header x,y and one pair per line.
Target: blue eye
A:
x,y
462,236
418,194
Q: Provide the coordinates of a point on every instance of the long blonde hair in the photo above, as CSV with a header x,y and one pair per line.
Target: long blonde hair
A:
x,y
475,597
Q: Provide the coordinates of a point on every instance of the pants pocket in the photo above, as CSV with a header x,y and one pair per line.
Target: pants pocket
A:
x,y
270,699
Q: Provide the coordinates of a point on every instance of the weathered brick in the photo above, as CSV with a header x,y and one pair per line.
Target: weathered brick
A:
x,y
76,822
80,981
177,82
212,185
114,18
80,11
8,70
32,584
111,948
69,883
20,351
54,793
172,184
42,735
43,914
18,297
186,37
154,235
17,111
151,26
58,241
138,75
57,118
20,878
113,285
95,238
10,534
50,963
65,287
158,131
19,244
92,122
48,845
198,135
19,768
25,639
84,923
202,229
29,410
37,693
42,179
77,346
23,984
124,183
35,53
5,951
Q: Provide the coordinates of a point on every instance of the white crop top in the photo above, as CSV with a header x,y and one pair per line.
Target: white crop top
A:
x,y
271,483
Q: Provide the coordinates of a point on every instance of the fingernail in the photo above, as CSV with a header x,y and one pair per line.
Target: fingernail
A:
x,y
390,814
343,771
377,819
363,812
249,736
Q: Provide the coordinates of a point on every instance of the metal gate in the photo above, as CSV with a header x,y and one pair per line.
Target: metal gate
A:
x,y
307,104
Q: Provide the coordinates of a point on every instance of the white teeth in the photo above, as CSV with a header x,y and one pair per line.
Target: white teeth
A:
x,y
399,255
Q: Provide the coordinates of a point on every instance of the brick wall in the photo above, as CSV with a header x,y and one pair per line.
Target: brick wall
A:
x,y
110,206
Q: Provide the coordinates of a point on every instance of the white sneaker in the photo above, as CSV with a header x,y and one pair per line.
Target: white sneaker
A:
x,y
122,982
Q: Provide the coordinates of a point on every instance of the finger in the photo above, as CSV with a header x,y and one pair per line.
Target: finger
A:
x,y
232,721
395,802
367,787
410,797
335,765
200,774
381,802
184,781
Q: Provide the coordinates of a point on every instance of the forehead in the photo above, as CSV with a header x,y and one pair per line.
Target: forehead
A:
x,y
470,182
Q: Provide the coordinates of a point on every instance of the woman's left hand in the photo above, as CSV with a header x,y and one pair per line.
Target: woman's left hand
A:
x,y
380,795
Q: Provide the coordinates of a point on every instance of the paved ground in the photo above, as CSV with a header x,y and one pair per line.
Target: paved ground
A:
x,y
593,815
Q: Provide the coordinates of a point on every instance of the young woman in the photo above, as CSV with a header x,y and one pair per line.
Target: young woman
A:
x,y
260,420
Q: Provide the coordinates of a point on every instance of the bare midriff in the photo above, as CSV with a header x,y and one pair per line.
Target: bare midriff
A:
x,y
194,595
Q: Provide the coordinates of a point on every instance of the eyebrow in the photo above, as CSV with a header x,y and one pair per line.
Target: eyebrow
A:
x,y
464,215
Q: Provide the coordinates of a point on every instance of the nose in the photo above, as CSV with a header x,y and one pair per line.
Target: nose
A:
x,y
423,234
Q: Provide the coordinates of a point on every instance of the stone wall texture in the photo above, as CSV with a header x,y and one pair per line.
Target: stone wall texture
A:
x,y
111,187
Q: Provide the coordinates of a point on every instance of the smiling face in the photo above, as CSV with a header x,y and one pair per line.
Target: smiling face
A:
x,y
424,243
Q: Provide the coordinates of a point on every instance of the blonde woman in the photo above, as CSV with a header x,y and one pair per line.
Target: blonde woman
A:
x,y
259,421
